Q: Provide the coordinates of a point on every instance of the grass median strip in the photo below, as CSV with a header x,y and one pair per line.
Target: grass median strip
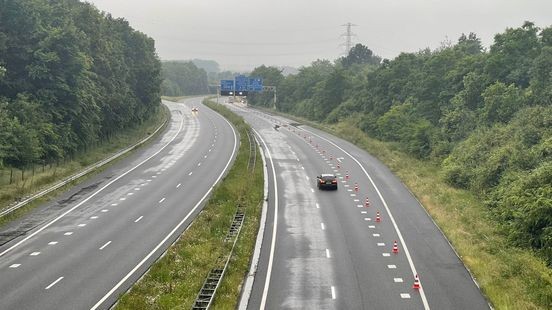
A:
x,y
175,279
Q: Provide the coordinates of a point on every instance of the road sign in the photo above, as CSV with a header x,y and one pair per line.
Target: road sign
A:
x,y
241,83
255,84
226,85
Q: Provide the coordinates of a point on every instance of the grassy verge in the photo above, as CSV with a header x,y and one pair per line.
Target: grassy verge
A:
x,y
51,175
510,277
175,279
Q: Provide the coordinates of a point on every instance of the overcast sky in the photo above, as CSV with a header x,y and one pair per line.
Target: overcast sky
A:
x,y
243,34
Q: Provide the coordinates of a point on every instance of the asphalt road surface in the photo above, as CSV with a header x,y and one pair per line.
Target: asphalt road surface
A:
x,y
87,247
327,250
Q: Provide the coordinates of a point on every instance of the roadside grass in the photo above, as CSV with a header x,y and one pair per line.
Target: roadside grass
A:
x,y
42,179
174,281
510,277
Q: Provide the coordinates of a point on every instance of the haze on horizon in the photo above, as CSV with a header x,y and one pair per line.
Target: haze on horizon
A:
x,y
241,35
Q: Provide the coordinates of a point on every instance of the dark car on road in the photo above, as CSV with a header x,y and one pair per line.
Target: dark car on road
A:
x,y
326,181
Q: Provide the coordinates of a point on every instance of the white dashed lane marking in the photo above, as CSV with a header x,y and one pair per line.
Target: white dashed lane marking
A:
x,y
163,199
405,295
327,253
52,243
190,173
81,225
104,210
15,265
177,186
312,190
333,292
93,217
322,225
122,198
54,283
130,194
385,254
317,206
34,254
199,164
376,235
105,245
69,233
113,204
392,266
138,219
397,280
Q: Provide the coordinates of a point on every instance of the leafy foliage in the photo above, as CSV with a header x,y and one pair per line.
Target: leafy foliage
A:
x,y
183,78
70,76
485,116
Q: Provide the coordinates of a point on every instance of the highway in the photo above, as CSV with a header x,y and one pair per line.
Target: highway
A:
x,y
85,248
327,249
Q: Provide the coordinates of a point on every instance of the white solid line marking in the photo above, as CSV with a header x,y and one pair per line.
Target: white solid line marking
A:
x,y
93,217
405,295
106,244
172,232
94,194
333,292
392,219
104,210
15,265
53,283
138,219
69,233
376,235
163,199
52,243
392,266
397,280
190,173
81,225
34,254
381,244
317,206
322,225
385,254
327,253
177,186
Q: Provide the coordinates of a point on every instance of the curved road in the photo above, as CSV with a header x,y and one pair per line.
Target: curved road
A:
x,y
100,237
326,250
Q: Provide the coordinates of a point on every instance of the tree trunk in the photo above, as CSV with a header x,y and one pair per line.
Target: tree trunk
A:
x,y
11,175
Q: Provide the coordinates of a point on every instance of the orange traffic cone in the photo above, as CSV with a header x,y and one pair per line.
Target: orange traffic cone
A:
x,y
378,218
416,283
367,203
395,247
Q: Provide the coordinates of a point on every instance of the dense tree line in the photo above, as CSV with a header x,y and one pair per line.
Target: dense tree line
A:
x,y
485,116
183,78
70,76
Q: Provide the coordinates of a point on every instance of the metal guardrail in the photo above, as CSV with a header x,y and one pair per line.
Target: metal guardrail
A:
x,y
208,290
78,175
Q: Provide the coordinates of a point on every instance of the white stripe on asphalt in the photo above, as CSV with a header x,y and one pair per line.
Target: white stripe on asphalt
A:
x,y
138,219
106,244
405,248
333,292
130,273
53,283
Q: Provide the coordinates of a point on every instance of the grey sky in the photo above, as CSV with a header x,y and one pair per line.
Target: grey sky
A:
x,y
243,34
